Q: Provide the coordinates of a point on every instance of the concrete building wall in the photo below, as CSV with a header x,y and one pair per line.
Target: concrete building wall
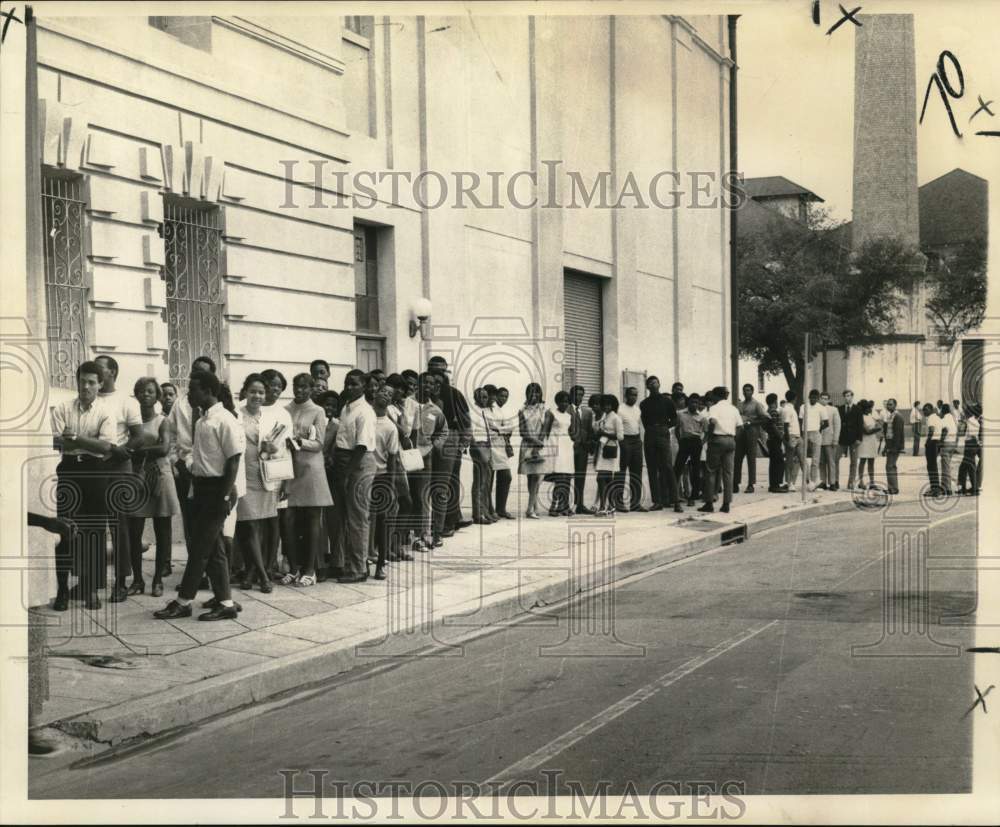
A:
x,y
260,110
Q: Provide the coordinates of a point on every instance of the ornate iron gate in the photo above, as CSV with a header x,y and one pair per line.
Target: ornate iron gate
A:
x,y
193,241
65,290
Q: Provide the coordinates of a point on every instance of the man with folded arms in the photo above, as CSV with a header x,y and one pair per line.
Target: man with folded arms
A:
x,y
216,450
659,415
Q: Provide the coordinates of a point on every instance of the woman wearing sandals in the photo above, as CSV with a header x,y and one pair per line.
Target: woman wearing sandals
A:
x,y
151,460
257,510
308,493
534,423
610,432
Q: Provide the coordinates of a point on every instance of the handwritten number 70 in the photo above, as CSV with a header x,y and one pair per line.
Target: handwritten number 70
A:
x,y
943,82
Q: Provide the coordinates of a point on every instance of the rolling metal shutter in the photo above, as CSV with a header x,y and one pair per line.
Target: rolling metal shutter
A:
x,y
584,363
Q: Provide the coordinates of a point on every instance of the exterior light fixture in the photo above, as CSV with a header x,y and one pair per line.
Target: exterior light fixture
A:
x,y
421,313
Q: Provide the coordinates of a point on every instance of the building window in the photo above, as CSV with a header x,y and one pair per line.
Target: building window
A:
x,y
359,75
65,288
366,279
192,237
191,31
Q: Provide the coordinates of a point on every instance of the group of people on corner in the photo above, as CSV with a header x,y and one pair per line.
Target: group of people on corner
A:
x,y
948,431
339,482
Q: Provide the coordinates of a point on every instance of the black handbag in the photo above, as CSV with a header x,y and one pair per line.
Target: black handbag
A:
x,y
609,450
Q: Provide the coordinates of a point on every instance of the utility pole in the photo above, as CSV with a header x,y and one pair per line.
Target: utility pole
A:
x,y
804,446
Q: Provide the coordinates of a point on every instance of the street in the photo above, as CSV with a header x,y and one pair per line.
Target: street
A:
x,y
733,666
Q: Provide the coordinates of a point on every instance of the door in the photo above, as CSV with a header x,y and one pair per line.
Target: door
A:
x,y
584,332
371,354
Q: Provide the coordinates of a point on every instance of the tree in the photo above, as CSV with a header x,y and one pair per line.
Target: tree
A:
x,y
956,290
796,278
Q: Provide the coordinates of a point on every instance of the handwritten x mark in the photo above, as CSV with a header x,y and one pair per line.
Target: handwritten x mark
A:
x,y
980,699
8,16
983,105
848,15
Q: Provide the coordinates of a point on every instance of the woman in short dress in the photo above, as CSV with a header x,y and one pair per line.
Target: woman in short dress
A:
x,y
503,428
308,493
534,422
560,456
280,532
257,511
868,450
610,432
151,460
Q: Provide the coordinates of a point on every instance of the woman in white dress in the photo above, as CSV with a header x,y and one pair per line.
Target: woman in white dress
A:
x,y
610,432
870,430
560,456
534,422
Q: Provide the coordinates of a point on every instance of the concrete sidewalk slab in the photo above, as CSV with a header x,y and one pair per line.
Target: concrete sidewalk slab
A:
x,y
296,637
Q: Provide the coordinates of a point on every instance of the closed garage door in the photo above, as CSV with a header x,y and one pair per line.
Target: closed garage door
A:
x,y
584,364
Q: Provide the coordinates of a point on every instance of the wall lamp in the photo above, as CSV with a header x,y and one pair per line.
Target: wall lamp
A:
x,y
421,312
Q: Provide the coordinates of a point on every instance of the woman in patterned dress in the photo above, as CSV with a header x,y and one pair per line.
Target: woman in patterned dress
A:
x,y
610,432
151,460
560,456
534,422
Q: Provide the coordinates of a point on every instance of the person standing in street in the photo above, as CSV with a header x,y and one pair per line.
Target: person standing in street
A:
x,y
775,457
850,436
895,443
609,432
559,455
792,434
932,438
916,426
724,423
384,499
431,431
583,436
972,456
481,451
503,451
216,451
691,423
817,421
659,415
118,467
871,430
83,431
630,467
947,447
456,412
534,423
754,416
829,443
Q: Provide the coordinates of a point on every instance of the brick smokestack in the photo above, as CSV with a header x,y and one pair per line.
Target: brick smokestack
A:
x,y
885,135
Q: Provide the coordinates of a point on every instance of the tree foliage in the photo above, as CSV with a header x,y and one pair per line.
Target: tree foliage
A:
x,y
798,278
956,290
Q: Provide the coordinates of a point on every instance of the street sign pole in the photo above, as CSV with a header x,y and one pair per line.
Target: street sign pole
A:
x,y
804,446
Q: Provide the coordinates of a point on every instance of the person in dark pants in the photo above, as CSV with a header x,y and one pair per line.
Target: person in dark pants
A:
x,y
916,423
124,488
690,438
217,449
659,415
932,442
894,433
971,469
754,417
630,457
583,437
775,439
456,412
503,427
84,431
724,425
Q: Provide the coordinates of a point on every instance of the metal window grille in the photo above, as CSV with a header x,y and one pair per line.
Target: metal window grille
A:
x,y
65,290
192,239
366,316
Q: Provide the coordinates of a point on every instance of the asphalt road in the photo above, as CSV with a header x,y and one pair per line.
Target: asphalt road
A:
x,y
734,666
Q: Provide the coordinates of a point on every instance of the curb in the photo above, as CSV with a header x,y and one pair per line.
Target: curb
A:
x,y
183,706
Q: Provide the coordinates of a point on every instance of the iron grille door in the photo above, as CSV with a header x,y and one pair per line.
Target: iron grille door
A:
x,y
193,241
65,290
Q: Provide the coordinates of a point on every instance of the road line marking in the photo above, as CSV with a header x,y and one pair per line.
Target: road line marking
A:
x,y
544,754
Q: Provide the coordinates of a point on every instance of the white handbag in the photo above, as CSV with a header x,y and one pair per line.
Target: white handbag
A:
x,y
412,459
275,471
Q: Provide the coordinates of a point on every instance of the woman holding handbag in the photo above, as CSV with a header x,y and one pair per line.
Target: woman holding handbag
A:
x,y
534,422
308,492
503,451
257,510
151,460
610,432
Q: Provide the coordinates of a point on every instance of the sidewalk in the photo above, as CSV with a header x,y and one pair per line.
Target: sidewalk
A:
x,y
167,674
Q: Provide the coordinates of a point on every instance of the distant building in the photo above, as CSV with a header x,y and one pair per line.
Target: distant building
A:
x,y
778,193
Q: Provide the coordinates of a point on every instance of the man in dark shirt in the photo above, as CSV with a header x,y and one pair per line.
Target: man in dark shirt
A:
x,y
456,413
658,416
850,435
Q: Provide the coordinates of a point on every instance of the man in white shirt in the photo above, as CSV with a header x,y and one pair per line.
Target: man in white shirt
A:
x,y
118,467
354,472
932,441
630,459
792,435
828,465
948,447
916,426
216,453
818,421
724,423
